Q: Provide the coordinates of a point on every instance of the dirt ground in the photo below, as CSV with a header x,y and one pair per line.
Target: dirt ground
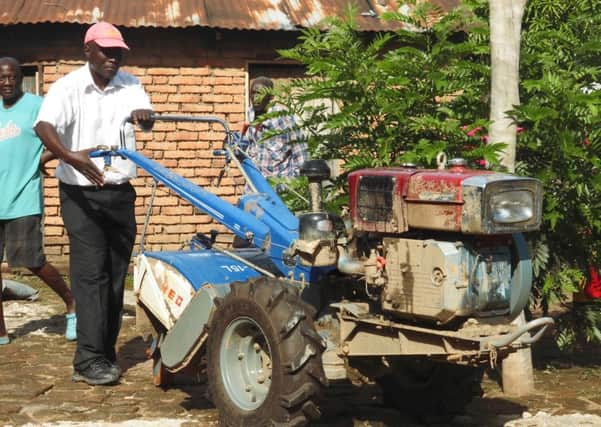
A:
x,y
36,390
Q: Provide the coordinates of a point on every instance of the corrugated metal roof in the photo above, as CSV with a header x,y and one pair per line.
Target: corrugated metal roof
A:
x,y
226,14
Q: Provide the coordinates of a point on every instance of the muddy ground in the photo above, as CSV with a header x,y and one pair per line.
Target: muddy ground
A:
x,y
35,386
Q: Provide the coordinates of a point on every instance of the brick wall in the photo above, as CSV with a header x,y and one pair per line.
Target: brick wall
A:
x,y
188,72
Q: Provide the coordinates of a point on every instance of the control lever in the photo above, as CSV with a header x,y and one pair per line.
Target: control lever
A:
x,y
205,241
226,167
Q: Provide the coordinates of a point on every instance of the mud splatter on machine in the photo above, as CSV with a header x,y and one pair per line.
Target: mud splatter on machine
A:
x,y
416,289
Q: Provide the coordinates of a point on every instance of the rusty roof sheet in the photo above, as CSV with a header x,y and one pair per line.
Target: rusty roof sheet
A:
x,y
225,14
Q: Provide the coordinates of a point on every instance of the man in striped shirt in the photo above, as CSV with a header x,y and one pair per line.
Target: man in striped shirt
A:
x,y
276,145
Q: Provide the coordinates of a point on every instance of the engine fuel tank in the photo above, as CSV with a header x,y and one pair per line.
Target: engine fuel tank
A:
x,y
395,200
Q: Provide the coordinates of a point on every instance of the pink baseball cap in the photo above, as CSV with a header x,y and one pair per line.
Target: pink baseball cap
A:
x,y
105,35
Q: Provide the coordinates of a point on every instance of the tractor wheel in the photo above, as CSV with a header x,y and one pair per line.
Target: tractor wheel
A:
x,y
264,356
425,388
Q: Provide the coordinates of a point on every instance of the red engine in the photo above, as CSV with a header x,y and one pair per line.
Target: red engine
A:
x,y
396,200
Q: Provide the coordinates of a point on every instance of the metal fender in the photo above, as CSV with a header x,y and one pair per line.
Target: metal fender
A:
x,y
179,288
209,266
521,280
188,335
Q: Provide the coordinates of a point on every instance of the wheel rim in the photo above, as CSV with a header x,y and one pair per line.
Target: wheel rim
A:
x,y
245,361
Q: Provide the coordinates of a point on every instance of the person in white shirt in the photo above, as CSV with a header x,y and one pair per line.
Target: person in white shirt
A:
x,y
82,111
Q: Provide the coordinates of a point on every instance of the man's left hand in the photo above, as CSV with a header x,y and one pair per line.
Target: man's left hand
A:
x,y
143,118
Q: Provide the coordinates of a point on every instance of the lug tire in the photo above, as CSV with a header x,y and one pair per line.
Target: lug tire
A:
x,y
266,315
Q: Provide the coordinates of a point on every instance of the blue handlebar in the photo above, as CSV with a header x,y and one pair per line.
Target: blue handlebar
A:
x,y
107,155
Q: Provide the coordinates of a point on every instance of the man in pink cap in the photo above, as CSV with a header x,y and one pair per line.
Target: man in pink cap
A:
x,y
81,111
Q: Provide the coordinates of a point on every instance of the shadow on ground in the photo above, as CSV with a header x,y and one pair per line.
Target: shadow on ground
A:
x,y
54,325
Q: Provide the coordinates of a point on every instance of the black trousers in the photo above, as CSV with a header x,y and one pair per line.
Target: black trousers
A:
x,y
101,225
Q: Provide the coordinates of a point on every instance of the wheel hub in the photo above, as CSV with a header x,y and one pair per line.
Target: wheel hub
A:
x,y
246,366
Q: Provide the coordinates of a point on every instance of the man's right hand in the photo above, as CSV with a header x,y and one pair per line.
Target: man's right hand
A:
x,y
81,161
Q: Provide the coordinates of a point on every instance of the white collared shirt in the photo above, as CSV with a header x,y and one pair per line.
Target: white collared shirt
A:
x,y
85,116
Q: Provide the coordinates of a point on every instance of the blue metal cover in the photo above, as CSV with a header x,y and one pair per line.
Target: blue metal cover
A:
x,y
206,266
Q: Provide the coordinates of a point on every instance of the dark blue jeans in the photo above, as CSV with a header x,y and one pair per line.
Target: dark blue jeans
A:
x,y
101,225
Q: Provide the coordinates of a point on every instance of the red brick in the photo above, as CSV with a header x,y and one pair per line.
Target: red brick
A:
x,y
161,80
186,80
144,136
192,145
51,201
177,210
142,190
158,97
163,71
53,250
50,211
56,240
159,137
51,192
236,118
197,108
229,72
229,108
217,98
182,228
222,81
53,230
193,126
164,238
195,89
194,163
159,145
234,90
185,98
182,135
164,126
199,218
180,154
53,220
169,163
161,88
203,71
211,136
165,219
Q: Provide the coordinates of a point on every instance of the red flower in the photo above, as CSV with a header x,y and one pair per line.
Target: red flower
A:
x,y
593,286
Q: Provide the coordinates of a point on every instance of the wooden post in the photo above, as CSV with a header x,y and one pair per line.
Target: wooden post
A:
x,y
505,28
517,373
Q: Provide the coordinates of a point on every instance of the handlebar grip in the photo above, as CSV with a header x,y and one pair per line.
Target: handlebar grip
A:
x,y
219,152
98,153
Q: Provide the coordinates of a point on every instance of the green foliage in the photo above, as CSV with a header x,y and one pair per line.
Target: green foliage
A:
x,y
398,97
405,96
295,194
579,328
561,144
